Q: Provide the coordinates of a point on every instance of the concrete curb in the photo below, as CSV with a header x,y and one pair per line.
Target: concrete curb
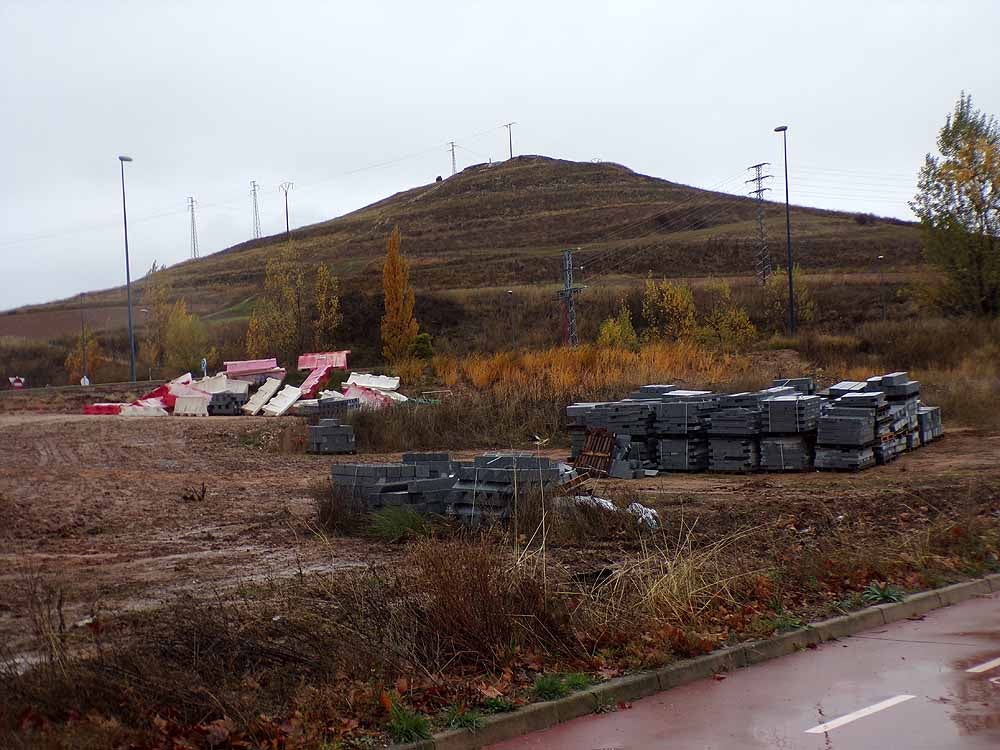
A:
x,y
538,716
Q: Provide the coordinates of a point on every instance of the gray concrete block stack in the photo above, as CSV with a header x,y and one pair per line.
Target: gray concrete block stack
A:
x,y
418,484
227,404
487,486
789,423
787,427
330,436
680,424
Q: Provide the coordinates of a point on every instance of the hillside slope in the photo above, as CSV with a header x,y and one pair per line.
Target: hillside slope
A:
x,y
507,224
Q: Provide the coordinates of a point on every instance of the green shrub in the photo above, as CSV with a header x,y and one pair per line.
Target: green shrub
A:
x,y
548,687
408,726
396,524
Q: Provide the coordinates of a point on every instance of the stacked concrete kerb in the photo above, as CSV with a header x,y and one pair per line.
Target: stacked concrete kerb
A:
x,y
487,488
330,436
788,427
484,489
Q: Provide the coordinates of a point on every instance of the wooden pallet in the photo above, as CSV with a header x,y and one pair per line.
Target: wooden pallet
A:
x,y
595,458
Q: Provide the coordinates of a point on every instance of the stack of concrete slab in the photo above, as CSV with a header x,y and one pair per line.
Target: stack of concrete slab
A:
x,y
680,424
330,436
783,415
385,485
487,487
325,408
683,454
738,421
845,438
786,453
733,454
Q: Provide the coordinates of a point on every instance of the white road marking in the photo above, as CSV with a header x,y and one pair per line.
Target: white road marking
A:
x,y
986,666
859,714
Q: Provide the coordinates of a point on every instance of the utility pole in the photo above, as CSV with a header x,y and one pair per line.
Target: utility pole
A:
x,y
568,295
285,187
762,264
256,212
453,169
510,138
194,229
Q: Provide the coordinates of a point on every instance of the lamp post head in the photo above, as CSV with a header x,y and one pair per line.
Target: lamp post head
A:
x,y
881,257
781,129
124,158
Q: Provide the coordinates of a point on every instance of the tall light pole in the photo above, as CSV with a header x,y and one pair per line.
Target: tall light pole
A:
x,y
783,129
128,279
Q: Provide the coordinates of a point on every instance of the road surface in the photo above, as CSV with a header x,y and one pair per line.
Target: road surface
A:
x,y
930,683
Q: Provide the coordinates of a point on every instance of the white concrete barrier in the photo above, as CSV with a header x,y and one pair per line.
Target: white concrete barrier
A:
x,y
282,402
264,394
191,406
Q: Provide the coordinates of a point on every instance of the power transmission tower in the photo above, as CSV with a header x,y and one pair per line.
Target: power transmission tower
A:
x,y
510,137
285,187
453,169
256,212
568,296
194,229
762,263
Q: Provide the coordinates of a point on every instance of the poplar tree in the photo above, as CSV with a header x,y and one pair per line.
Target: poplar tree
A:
x,y
399,327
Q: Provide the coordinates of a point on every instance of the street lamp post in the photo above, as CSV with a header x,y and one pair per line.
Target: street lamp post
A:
x,y
128,278
783,129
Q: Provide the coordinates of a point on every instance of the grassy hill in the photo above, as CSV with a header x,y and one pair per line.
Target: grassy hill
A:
x,y
492,227
507,224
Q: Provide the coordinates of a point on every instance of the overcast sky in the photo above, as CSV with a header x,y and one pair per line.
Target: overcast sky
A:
x,y
206,96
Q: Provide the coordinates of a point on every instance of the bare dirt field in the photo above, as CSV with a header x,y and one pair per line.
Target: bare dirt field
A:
x,y
107,508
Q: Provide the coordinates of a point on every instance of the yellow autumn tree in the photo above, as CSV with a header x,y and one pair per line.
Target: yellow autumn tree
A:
x,y
399,327
617,332
74,360
186,339
299,308
668,310
155,299
327,307
727,325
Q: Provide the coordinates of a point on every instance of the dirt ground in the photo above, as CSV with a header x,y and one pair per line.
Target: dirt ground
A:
x,y
96,505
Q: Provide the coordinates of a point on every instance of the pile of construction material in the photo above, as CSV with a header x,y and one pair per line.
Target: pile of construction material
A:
x,y
787,427
432,483
330,436
230,393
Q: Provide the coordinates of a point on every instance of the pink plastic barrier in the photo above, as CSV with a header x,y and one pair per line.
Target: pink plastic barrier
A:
x,y
103,408
314,382
314,360
367,396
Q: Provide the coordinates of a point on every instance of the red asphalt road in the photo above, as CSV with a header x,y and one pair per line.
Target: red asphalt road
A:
x,y
773,705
